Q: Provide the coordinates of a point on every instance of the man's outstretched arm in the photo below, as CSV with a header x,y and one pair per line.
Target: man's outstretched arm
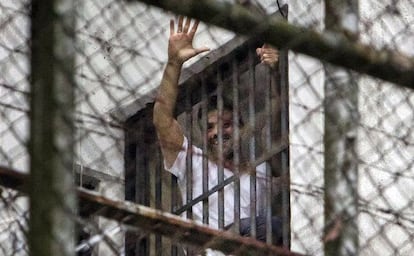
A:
x,y
180,49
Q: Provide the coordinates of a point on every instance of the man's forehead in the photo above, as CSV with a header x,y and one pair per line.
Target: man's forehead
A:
x,y
213,115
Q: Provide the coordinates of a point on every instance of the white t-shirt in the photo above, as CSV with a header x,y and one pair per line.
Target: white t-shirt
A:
x,y
179,170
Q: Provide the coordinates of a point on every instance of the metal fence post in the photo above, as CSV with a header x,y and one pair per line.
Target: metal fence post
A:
x,y
52,194
341,123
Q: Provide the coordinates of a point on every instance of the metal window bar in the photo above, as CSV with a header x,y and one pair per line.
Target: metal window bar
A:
x,y
220,171
158,199
189,158
142,196
174,205
236,145
204,137
268,146
283,90
252,140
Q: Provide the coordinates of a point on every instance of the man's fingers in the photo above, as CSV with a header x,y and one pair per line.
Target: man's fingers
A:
x,y
180,24
184,27
187,25
265,53
194,28
171,27
268,55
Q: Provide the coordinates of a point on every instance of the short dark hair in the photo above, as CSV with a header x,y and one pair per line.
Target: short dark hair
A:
x,y
212,105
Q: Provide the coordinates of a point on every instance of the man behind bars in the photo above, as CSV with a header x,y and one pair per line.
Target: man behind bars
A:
x,y
174,145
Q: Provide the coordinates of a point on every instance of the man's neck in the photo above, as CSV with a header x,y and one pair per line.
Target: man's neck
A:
x,y
228,162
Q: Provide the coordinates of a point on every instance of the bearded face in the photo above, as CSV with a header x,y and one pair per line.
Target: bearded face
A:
x,y
213,133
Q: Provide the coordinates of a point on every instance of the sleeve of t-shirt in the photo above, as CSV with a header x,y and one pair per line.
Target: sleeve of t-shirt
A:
x,y
179,166
261,169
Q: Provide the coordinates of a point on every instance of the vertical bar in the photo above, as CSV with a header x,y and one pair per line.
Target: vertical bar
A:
x,y
341,123
268,145
236,143
189,158
158,195
174,204
51,147
130,181
204,101
283,81
175,200
252,139
220,174
142,191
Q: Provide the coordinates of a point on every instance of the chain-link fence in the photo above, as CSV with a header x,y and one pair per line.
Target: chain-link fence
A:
x,y
348,169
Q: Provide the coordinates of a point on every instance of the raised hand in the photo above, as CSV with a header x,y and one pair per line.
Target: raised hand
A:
x,y
268,55
180,44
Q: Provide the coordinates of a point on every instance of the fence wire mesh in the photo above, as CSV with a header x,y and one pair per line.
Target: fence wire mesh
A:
x,y
120,53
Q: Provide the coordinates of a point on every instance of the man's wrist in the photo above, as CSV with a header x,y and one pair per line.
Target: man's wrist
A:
x,y
175,63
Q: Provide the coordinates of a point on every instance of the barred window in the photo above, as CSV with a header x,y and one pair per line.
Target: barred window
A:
x,y
257,97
